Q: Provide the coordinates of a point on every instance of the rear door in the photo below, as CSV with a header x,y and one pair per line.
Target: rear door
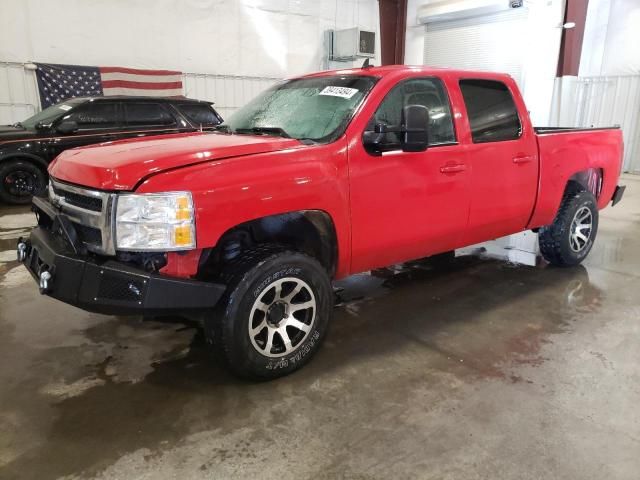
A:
x,y
143,118
503,158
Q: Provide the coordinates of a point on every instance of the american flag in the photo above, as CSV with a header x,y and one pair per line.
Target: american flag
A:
x,y
59,82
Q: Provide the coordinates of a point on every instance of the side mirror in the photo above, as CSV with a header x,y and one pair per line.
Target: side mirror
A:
x,y
373,139
67,126
414,133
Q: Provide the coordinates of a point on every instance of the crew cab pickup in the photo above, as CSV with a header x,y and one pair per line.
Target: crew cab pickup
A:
x,y
316,179
27,147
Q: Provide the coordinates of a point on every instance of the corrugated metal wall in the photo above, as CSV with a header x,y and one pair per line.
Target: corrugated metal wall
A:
x,y
602,101
227,92
19,92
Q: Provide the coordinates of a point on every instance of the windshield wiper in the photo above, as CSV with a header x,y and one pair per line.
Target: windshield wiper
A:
x,y
18,125
264,130
222,128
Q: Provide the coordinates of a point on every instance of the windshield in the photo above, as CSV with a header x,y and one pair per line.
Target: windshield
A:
x,y
50,114
317,109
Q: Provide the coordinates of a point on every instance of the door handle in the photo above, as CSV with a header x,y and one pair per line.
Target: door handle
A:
x,y
460,167
524,159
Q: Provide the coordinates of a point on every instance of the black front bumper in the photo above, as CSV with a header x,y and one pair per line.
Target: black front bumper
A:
x,y
106,286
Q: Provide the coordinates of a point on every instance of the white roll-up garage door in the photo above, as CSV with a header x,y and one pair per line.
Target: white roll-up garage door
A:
x,y
487,42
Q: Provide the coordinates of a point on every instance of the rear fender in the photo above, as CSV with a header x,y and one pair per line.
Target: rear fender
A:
x,y
591,159
589,180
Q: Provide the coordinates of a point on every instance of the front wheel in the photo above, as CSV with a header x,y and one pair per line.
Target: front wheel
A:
x,y
274,315
569,239
20,180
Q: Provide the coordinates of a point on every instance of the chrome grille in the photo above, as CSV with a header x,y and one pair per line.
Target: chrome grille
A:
x,y
91,211
86,202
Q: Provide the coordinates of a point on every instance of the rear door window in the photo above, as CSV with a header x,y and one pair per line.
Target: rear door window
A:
x,y
148,114
493,115
199,113
96,116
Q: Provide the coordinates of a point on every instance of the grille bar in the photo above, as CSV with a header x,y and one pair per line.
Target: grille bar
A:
x,y
91,213
89,203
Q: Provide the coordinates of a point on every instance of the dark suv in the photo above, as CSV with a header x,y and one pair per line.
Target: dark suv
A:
x,y
27,147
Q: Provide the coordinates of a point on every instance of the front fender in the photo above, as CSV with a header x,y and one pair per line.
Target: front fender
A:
x,y
229,192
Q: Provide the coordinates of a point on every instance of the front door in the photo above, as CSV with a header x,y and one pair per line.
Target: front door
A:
x,y
97,122
407,205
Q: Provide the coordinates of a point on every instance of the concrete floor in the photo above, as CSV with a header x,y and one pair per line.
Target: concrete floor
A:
x,y
480,370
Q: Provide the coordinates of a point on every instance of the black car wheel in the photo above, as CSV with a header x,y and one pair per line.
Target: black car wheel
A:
x,y
20,180
274,315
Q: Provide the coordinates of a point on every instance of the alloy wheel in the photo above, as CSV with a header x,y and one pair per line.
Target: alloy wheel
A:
x,y
282,317
581,227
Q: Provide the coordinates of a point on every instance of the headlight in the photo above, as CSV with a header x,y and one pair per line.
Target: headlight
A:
x,y
156,221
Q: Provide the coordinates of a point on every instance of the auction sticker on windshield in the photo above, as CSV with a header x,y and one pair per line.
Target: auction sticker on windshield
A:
x,y
344,92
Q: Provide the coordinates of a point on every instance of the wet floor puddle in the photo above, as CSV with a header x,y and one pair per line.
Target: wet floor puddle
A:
x,y
130,384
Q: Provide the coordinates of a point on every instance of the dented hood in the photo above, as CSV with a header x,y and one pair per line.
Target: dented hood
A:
x,y
124,164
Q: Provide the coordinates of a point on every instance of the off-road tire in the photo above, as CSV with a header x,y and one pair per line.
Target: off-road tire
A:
x,y
554,240
247,278
37,177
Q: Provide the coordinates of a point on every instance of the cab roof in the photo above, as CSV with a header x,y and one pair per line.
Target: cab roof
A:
x,y
139,98
386,70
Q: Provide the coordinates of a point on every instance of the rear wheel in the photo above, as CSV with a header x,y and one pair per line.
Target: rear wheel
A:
x,y
20,180
274,315
569,239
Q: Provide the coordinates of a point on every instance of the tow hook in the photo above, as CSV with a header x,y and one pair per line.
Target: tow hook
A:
x,y
45,278
21,250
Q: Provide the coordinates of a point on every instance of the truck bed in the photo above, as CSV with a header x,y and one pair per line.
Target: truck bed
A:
x,y
567,153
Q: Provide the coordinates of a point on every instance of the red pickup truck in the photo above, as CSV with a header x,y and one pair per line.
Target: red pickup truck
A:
x,y
317,178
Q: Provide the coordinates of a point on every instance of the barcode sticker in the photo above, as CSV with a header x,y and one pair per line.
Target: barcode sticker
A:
x,y
344,92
